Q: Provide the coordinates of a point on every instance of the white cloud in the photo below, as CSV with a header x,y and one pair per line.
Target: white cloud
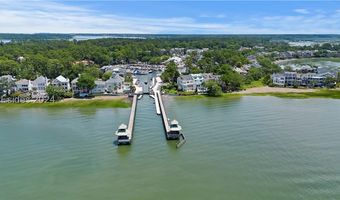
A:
x,y
48,16
220,16
302,11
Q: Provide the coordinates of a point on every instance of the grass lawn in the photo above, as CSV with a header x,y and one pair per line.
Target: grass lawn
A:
x,y
253,85
115,103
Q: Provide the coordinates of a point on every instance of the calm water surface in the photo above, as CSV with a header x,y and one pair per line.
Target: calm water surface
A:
x,y
249,148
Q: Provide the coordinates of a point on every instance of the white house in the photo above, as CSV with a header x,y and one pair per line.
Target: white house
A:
x,y
7,78
9,81
194,82
100,87
279,79
186,83
115,84
74,86
39,87
291,78
198,80
63,82
24,85
40,84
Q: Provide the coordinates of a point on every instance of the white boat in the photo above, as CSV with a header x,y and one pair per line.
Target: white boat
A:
x,y
174,126
122,135
152,96
140,97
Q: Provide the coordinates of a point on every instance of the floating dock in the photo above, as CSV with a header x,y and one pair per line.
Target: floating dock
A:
x,y
158,110
156,89
125,136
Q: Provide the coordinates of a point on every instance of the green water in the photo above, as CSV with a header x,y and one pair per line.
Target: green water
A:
x,y
248,148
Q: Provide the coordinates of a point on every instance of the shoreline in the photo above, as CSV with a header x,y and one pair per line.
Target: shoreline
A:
x,y
123,101
278,92
267,89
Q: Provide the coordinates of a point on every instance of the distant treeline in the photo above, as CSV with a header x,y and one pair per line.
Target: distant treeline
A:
x,y
273,37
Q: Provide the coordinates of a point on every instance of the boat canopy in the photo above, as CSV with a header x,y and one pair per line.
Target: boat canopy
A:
x,y
122,130
174,126
122,126
174,122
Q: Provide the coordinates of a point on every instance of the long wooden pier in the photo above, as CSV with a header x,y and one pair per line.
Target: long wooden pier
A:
x,y
163,113
132,117
172,131
125,133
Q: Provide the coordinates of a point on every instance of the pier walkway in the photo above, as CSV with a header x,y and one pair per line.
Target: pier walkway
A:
x,y
132,117
172,129
125,133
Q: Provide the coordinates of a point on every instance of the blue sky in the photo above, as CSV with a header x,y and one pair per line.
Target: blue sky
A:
x,y
179,17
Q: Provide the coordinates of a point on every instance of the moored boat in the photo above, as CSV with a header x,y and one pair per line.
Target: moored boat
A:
x,y
175,130
122,135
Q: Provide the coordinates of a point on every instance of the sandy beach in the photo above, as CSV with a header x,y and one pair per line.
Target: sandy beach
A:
x,y
261,90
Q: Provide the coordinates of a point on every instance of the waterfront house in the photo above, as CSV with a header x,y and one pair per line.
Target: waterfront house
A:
x,y
279,80
40,84
39,87
291,78
7,79
306,79
62,82
198,81
286,79
301,79
7,84
186,83
23,85
74,86
100,87
194,82
115,84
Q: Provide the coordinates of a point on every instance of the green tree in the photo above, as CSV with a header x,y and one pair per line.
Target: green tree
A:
x,y
106,75
54,68
231,81
330,82
170,74
86,82
8,67
268,68
254,74
267,80
93,71
128,78
213,89
55,93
